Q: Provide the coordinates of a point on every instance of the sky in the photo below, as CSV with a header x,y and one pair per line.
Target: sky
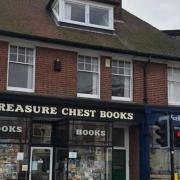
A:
x,y
162,14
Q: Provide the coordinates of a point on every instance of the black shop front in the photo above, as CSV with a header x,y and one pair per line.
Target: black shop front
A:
x,y
65,139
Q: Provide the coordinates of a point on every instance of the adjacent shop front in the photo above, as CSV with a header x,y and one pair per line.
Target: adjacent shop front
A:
x,y
158,162
53,139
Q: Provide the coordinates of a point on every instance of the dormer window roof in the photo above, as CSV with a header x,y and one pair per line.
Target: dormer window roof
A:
x,y
85,13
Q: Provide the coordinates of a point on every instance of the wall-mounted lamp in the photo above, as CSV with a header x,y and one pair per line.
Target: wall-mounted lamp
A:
x,y
57,65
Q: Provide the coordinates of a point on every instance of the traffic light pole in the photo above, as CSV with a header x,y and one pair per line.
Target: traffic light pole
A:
x,y
171,144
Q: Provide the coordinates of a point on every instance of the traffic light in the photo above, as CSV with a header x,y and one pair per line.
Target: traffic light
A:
x,y
162,132
176,138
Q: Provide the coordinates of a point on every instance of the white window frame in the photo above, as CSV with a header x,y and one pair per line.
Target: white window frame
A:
x,y
170,65
87,4
95,96
131,82
56,3
20,89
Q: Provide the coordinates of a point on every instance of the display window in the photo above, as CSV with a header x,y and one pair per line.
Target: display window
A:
x,y
89,163
14,130
159,158
13,161
90,133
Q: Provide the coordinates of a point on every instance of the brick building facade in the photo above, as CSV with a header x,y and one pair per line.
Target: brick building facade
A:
x,y
80,94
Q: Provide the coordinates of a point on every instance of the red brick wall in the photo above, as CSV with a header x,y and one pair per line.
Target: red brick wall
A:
x,y
105,85
63,83
3,65
50,82
138,82
157,84
134,153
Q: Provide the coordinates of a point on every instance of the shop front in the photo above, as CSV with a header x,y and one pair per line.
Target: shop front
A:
x,y
162,158
64,140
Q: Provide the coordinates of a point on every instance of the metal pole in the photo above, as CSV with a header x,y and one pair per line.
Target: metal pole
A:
x,y
171,129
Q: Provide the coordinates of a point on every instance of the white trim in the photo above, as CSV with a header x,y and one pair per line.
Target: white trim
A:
x,y
10,88
110,9
51,159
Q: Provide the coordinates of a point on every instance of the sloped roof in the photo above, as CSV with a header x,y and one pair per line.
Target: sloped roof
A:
x,y
31,18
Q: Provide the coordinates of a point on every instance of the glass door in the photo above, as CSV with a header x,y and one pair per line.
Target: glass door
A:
x,y
41,163
119,164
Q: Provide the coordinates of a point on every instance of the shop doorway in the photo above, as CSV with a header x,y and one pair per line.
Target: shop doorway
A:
x,y
119,164
41,163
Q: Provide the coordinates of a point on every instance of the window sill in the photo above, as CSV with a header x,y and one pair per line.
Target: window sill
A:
x,y
174,103
88,96
121,98
20,89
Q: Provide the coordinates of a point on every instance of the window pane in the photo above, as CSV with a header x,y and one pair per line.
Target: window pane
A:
x,y
11,167
120,86
13,57
13,49
81,66
85,82
20,75
75,12
88,66
29,59
21,58
14,130
29,52
99,16
21,50
92,163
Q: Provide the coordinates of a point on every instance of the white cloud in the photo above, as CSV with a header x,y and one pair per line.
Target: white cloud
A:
x,y
163,14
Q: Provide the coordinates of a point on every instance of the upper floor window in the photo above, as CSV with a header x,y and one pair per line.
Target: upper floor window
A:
x,y
21,69
121,80
174,84
84,13
88,77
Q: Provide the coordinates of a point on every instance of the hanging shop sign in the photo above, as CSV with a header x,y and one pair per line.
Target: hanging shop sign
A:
x,y
65,111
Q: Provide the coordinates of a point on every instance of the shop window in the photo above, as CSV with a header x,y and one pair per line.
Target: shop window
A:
x,y
41,133
174,84
121,80
90,163
13,161
79,12
21,69
159,157
14,130
88,83
90,133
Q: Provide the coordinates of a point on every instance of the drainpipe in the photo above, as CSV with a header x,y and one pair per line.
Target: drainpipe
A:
x,y
145,79
144,138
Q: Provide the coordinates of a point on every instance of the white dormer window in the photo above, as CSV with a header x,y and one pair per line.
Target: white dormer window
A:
x,y
84,13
